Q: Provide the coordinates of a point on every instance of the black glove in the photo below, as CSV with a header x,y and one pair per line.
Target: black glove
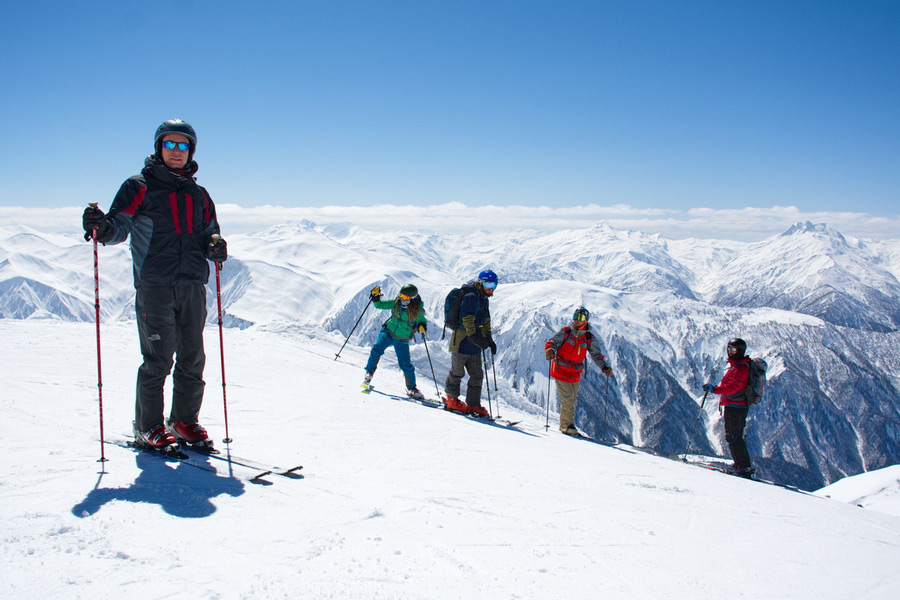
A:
x,y
217,251
607,371
481,340
94,218
492,344
376,293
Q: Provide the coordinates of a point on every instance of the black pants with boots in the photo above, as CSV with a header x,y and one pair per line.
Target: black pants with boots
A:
x,y
170,323
735,419
460,364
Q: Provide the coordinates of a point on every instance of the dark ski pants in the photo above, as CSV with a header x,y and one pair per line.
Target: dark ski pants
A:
x,y
170,324
460,364
735,420
401,347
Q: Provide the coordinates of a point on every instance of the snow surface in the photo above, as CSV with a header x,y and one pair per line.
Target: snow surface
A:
x,y
832,405
399,500
878,490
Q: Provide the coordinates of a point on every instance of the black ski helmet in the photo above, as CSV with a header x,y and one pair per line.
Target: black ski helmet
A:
x,y
739,345
175,126
583,312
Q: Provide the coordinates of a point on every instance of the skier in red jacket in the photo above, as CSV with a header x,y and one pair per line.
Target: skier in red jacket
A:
x,y
568,350
733,400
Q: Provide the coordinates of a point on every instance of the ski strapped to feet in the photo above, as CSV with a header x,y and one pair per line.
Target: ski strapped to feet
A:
x,y
260,471
723,467
369,388
499,421
172,451
264,469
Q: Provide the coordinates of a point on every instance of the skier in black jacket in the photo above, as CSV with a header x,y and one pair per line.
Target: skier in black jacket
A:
x,y
171,220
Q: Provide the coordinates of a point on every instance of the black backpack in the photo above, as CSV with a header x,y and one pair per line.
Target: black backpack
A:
x,y
451,307
756,382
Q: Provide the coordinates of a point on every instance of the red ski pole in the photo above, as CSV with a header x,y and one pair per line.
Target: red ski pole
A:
x,y
227,440
97,319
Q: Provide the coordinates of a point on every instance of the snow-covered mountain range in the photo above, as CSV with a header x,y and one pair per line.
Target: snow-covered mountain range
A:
x,y
822,309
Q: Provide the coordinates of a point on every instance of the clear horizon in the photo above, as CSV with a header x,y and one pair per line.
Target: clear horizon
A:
x,y
740,225
721,118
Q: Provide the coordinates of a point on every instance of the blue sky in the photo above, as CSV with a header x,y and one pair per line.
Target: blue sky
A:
x,y
649,105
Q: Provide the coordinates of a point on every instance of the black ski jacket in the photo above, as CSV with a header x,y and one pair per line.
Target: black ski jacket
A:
x,y
171,221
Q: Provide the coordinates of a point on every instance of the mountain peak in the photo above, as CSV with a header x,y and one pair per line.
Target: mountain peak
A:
x,y
810,227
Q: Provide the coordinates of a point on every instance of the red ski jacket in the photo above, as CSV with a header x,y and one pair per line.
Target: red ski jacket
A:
x,y
572,347
734,383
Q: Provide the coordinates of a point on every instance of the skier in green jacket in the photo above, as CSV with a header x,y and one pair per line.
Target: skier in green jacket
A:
x,y
407,318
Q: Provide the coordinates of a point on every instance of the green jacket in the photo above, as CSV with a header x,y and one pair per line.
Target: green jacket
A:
x,y
399,326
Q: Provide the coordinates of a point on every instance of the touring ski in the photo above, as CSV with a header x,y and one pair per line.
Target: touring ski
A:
x,y
258,473
498,421
264,469
368,389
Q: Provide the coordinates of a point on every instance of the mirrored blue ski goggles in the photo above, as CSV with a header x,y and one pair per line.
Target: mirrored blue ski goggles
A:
x,y
182,146
489,285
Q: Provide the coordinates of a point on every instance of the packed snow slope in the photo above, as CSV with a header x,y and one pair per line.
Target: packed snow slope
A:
x,y
398,500
822,309
877,490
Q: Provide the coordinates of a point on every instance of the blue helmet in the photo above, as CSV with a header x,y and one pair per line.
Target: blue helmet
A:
x,y
488,277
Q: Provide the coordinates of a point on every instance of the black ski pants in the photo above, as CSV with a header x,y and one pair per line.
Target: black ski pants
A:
x,y
460,364
735,420
170,324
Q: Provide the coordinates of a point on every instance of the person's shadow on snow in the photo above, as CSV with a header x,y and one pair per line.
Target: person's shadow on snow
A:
x,y
180,489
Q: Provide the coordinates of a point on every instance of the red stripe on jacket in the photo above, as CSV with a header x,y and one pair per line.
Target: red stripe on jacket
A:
x,y
136,202
173,202
189,207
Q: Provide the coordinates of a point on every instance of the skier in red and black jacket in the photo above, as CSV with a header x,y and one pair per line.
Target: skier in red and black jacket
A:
x,y
733,400
171,220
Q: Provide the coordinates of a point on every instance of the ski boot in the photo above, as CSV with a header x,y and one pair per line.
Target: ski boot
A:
x,y
571,430
415,394
157,439
367,386
193,435
452,403
478,411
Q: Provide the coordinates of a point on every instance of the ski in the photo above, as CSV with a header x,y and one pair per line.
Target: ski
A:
x,y
368,389
498,421
185,459
258,476
583,437
264,469
727,469
202,448
174,451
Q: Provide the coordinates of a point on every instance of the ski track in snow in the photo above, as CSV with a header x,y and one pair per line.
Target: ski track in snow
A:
x,y
398,500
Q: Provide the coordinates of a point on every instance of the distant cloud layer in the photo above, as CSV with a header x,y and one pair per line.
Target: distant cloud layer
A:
x,y
743,224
